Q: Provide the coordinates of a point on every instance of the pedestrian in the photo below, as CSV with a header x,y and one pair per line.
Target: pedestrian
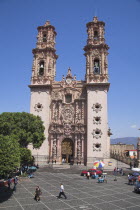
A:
x,y
62,191
88,175
52,161
15,183
55,161
37,193
9,182
115,170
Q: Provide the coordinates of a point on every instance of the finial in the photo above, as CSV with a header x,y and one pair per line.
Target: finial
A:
x,y
69,70
47,23
95,19
69,73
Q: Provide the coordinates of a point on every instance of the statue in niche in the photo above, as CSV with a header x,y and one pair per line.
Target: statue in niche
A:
x,y
55,115
67,129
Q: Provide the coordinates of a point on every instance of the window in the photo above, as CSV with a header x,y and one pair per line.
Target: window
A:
x,y
97,145
96,66
95,35
97,132
97,119
44,38
41,68
68,98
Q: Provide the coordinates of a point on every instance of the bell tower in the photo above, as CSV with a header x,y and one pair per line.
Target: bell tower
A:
x,y
43,76
97,86
96,52
44,61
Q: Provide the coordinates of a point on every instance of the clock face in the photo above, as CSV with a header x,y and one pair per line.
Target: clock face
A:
x,y
68,81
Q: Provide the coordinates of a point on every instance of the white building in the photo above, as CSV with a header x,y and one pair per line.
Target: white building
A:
x,y
74,112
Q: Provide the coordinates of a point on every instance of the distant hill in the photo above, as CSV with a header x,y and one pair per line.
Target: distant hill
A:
x,y
125,140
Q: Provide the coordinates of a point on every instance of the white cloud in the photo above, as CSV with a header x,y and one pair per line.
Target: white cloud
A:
x,y
133,126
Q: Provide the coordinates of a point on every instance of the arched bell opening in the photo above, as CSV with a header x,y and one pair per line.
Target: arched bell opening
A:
x,y
67,150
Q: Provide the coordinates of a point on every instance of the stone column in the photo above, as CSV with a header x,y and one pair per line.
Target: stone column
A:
x,y
51,145
82,111
79,148
91,64
82,138
75,147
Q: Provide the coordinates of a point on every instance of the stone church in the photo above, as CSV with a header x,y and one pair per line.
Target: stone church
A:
x,y
74,112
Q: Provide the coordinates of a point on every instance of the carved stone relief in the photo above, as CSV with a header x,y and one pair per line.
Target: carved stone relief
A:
x,y
97,120
67,129
54,148
97,133
96,147
67,114
38,107
97,107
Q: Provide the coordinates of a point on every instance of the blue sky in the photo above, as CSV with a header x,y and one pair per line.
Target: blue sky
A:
x,y
18,22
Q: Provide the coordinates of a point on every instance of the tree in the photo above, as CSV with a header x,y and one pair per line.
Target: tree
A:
x,y
25,156
26,128
9,154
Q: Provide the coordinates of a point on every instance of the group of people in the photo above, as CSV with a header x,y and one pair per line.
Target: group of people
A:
x,y
132,179
118,171
12,180
38,193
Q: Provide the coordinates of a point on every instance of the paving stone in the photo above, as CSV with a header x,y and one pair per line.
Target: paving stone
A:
x,y
107,206
81,193
11,208
122,203
57,205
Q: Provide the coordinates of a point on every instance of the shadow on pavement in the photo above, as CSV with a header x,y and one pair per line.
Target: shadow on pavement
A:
x,y
5,193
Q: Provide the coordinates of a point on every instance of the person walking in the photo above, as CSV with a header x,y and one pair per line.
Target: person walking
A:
x,y
62,191
88,175
15,183
37,193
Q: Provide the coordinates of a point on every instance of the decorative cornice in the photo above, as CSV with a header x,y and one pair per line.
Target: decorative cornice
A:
x,y
40,86
92,47
97,84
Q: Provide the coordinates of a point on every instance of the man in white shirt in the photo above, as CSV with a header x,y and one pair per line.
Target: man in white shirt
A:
x,y
88,175
62,191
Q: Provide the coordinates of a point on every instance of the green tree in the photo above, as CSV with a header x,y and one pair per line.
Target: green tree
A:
x,y
25,156
9,154
26,128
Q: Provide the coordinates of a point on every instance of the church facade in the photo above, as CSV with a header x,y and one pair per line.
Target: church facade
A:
x,y
74,112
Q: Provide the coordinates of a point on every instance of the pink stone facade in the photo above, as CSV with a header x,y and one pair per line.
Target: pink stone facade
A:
x,y
74,112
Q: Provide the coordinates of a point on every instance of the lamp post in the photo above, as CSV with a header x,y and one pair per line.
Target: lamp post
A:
x,y
115,171
138,151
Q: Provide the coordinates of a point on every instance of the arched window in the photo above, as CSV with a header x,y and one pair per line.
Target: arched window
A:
x,y
96,66
95,35
41,68
44,37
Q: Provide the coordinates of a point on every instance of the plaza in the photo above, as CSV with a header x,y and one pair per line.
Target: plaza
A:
x,y
81,192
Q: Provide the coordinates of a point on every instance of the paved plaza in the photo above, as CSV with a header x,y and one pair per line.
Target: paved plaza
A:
x,y
81,193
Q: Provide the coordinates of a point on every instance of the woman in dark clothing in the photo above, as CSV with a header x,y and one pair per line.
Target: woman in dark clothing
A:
x,y
37,194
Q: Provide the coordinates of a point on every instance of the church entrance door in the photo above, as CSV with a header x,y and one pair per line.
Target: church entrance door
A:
x,y
67,150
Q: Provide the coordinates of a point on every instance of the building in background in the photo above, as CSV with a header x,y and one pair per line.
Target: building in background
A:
x,y
121,149
74,112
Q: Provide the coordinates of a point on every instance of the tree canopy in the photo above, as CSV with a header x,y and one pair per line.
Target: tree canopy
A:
x,y
9,154
25,156
24,127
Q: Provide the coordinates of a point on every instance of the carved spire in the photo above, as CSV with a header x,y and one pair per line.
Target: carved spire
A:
x,y
44,64
96,52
